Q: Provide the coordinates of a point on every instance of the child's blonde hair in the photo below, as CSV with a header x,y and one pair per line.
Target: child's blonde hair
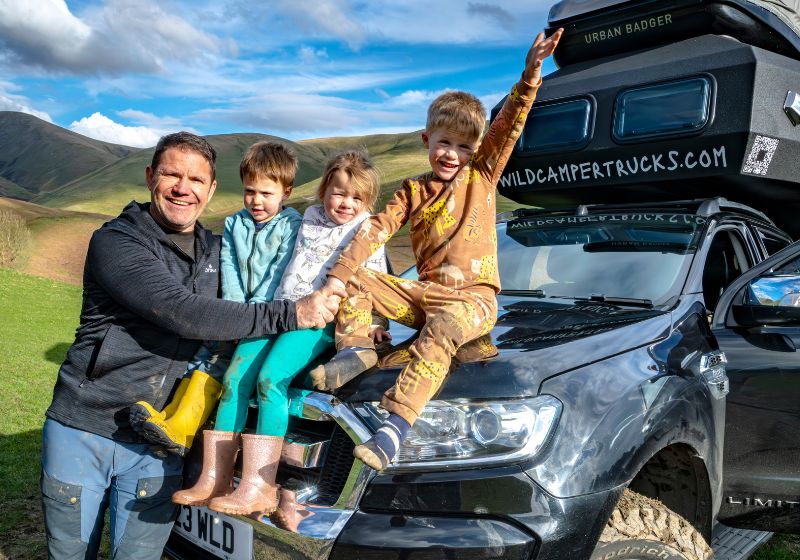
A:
x,y
268,160
363,175
459,111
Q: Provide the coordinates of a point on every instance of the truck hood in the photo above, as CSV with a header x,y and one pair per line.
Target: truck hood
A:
x,y
534,339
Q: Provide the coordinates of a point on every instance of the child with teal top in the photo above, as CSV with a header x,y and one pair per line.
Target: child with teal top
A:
x,y
348,190
257,245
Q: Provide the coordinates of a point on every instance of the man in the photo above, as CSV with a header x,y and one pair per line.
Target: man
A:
x,y
150,289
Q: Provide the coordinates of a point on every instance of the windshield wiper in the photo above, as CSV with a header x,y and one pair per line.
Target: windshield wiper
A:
x,y
632,302
534,293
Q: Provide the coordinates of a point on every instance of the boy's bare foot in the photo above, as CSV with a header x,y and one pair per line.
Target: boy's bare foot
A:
x,y
344,366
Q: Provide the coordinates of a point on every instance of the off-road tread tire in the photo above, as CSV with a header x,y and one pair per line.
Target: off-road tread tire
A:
x,y
639,517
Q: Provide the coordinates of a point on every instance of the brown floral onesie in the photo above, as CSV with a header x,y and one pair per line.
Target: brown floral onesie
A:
x,y
455,244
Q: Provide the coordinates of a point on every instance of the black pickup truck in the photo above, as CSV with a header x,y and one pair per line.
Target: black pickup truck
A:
x,y
640,394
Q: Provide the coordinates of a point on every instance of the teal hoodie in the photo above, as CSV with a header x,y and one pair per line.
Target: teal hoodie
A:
x,y
253,261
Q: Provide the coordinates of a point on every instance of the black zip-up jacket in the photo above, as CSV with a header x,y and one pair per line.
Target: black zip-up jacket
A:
x,y
146,308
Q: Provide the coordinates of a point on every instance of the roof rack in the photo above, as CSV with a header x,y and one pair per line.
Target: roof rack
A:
x,y
701,207
720,203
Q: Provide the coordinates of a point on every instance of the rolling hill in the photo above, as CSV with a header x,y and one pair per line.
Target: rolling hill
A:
x,y
13,190
38,157
108,189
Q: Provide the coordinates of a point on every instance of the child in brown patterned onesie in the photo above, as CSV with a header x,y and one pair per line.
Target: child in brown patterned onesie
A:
x,y
452,214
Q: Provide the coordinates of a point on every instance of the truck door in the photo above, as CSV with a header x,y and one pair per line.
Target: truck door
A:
x,y
757,326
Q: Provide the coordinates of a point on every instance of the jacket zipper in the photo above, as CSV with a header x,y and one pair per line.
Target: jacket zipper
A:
x,y
249,265
194,264
198,267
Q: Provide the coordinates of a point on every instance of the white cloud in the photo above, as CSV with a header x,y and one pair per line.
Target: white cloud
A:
x,y
252,77
491,99
310,55
332,18
482,9
100,127
278,24
414,98
158,123
10,101
297,116
122,35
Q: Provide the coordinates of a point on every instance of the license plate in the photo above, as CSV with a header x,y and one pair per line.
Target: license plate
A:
x,y
221,535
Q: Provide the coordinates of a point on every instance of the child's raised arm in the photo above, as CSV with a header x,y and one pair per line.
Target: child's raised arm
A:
x,y
541,49
498,143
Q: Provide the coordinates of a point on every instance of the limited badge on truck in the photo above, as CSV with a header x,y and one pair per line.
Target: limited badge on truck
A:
x,y
221,535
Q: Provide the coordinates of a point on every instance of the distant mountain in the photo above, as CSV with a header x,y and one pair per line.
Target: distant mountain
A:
x,y
37,157
108,189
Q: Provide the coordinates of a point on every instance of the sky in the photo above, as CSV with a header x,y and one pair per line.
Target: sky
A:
x,y
129,71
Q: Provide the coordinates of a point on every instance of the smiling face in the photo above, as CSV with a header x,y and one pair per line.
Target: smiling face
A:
x,y
264,198
342,201
180,187
448,151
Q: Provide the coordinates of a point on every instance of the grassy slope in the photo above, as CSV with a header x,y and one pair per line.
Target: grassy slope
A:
x,y
59,240
37,323
39,156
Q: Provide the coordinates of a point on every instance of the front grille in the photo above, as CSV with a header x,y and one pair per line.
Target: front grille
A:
x,y
338,463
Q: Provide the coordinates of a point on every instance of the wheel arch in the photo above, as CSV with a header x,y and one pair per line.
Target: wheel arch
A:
x,y
677,476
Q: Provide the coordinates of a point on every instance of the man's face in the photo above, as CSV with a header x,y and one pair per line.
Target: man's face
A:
x,y
180,187
448,151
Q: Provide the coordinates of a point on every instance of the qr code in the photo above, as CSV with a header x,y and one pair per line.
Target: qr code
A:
x,y
760,155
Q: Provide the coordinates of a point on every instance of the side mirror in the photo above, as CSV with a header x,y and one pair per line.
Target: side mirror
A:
x,y
770,300
760,315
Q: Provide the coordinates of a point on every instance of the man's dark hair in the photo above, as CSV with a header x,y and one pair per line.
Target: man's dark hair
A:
x,y
186,141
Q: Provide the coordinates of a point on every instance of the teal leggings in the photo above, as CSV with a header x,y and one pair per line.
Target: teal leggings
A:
x,y
268,366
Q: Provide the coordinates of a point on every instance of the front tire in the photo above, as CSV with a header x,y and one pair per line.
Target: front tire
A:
x,y
641,528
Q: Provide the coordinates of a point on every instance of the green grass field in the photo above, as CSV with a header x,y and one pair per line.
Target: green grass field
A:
x,y
37,323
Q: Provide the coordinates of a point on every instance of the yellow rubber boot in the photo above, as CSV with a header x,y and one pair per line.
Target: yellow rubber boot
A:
x,y
177,432
142,411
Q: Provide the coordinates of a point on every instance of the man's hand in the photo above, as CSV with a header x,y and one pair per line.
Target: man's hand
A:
x,y
334,287
316,310
541,49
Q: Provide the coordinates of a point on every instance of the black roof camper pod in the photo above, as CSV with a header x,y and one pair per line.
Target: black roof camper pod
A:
x,y
698,117
600,28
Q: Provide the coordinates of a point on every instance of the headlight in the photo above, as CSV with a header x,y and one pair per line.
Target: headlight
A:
x,y
460,433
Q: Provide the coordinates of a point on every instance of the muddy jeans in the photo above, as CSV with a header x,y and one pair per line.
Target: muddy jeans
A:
x,y
84,474
446,318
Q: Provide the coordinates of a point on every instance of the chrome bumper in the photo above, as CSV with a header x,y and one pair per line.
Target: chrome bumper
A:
x,y
313,526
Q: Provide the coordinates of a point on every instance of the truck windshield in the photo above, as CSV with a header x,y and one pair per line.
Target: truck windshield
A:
x,y
643,256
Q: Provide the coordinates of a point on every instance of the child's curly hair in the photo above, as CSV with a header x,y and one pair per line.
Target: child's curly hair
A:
x,y
363,175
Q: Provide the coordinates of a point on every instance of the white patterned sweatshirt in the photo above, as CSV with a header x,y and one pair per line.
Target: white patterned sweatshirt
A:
x,y
318,245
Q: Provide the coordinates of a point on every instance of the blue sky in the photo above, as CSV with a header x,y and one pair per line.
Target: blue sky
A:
x,y
128,71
